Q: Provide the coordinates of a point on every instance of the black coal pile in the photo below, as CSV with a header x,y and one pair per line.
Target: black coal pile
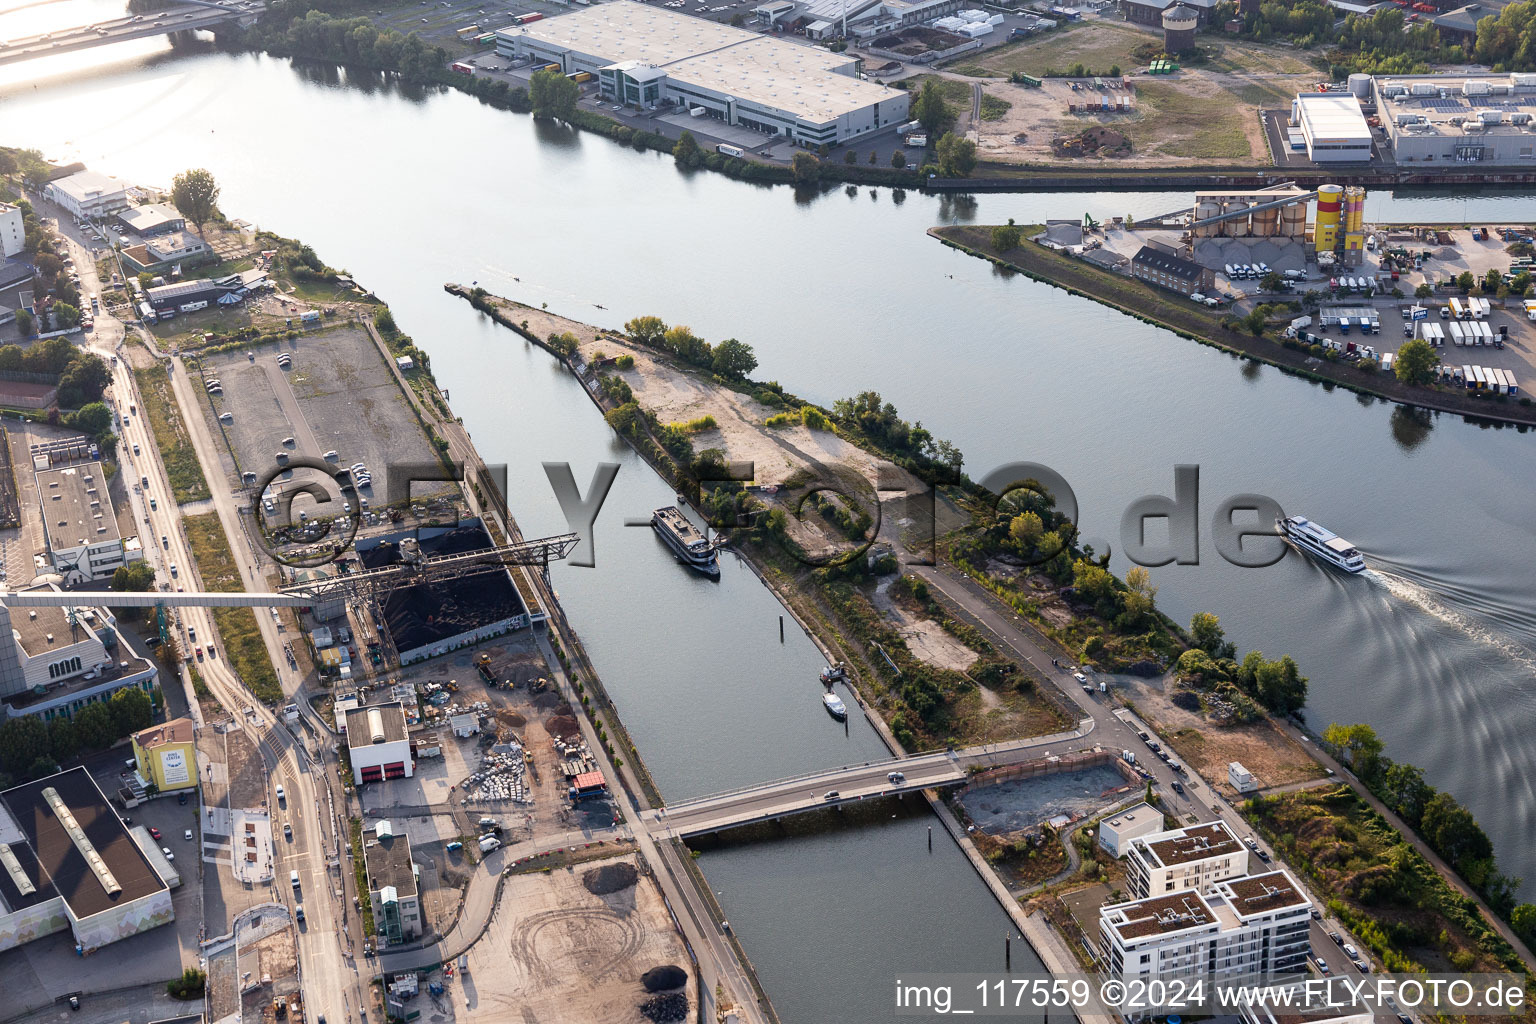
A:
x,y
664,978
668,1009
609,878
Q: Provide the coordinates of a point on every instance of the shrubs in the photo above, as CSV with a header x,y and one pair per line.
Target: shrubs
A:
x,y
187,987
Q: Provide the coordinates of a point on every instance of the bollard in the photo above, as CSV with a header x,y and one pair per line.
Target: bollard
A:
x,y
781,629
1008,951
930,838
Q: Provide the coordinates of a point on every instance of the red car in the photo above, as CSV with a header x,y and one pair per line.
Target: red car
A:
x,y
154,833
199,652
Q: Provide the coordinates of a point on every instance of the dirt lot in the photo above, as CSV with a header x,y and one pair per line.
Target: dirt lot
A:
x,y
274,955
557,952
1272,756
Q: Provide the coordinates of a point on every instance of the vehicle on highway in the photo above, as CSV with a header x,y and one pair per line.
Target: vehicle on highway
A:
x,y
298,913
287,831
154,506
1178,787
830,794
896,778
198,652
192,634
74,1004
281,796
173,569
165,542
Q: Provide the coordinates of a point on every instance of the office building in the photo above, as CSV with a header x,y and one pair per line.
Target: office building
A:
x,y
1195,857
1246,929
88,194
13,232
1117,830
79,525
392,885
649,57
59,660
69,862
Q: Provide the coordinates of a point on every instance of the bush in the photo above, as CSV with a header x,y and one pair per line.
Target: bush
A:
x,y
814,419
187,987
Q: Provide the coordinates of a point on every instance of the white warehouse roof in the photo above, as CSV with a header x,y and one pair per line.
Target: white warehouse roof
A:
x,y
1333,117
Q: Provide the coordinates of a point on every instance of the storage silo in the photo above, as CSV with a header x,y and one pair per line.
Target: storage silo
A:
x,y
1204,209
1179,24
1293,220
1236,226
1266,223
1360,86
1330,200
1354,210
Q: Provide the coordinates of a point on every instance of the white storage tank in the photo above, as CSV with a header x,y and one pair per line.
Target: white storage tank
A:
x,y
1522,80
1476,87
1423,89
1491,116
1360,86
1207,208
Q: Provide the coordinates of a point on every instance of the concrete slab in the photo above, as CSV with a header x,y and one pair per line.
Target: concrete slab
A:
x,y
713,130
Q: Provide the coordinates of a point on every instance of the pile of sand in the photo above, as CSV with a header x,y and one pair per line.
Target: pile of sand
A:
x,y
664,978
610,878
561,726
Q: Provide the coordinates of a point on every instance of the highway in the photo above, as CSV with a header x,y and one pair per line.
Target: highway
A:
x,y
189,17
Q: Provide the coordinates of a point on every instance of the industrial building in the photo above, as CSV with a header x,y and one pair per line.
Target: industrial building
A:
x,y
13,233
79,525
88,194
1340,223
152,219
1437,120
1117,830
392,888
70,862
61,659
1195,857
1244,929
1333,126
1279,212
166,755
377,744
1179,24
1165,270
1150,12
649,57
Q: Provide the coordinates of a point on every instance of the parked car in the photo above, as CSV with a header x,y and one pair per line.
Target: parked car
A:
x,y
187,835
168,854
154,833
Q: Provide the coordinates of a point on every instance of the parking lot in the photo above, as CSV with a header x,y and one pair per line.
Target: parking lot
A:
x,y
337,402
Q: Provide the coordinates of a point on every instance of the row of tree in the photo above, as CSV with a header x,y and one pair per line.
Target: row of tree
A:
x,y
31,748
730,358
318,35
1442,822
83,377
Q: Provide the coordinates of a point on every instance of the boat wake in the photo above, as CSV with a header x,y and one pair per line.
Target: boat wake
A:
x,y
1429,602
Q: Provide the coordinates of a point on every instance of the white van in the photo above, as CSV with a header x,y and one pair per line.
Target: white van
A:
x,y
293,876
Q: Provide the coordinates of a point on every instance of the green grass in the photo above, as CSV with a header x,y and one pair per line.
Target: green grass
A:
x,y
168,423
360,873
1181,123
1097,47
993,107
243,645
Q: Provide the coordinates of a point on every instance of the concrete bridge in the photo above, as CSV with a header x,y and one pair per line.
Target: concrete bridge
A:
x,y
849,784
185,16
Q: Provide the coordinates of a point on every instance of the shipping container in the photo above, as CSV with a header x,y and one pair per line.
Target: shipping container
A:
x,y
1458,309
489,39
526,19
462,68
1456,335
735,151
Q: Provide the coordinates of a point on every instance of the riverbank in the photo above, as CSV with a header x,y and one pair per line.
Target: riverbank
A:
x,y
1175,313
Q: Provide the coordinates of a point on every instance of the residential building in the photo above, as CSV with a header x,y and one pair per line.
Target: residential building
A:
x,y
1194,857
166,755
1294,1007
1150,12
648,57
1240,778
61,659
377,743
1176,273
1333,125
392,888
152,219
13,233
1437,120
172,249
80,526
1246,929
88,194
1117,830
70,862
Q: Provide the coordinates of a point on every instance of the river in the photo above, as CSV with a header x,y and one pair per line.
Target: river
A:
x,y
839,293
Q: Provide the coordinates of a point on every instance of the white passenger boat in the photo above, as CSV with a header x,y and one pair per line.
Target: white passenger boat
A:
x,y
1322,544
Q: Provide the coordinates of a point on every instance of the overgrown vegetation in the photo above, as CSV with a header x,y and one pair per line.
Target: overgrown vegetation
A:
x,y
31,748
243,644
187,987
169,427
360,873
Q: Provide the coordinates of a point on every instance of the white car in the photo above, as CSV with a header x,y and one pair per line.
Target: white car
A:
x,y
187,835
1080,678
168,854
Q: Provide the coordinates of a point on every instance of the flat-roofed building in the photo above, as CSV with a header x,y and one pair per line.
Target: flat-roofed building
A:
x,y
377,743
649,57
392,885
1435,120
68,861
59,659
88,194
79,525
152,219
1150,12
1195,857
1333,125
13,235
1117,830
1246,929
166,755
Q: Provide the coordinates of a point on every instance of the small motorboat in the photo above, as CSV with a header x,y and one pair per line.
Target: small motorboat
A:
x,y
835,706
834,673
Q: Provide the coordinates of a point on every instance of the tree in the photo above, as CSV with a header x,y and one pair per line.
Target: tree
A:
x,y
851,157
734,358
1280,686
1005,238
686,344
1493,280
195,194
94,726
23,740
65,315
146,279
94,419
1026,529
1423,291
48,265
1254,321
956,156
1416,362
131,709
62,742
874,158
1523,920
83,380
552,94
25,323
1359,747
1405,791
646,330
134,578
1206,633
1272,281
1465,280
1453,833
930,108
805,167
686,152
899,160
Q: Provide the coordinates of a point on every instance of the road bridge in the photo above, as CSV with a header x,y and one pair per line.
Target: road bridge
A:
x,y
833,787
184,16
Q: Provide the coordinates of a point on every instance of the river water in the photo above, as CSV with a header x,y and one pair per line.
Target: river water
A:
x,y
838,293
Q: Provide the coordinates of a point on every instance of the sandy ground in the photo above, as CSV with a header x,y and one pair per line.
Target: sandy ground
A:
x,y
927,639
555,952
1273,757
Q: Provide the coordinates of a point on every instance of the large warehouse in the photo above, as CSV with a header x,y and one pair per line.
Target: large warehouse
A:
x,y
649,57
1445,119
1333,126
377,744
69,862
